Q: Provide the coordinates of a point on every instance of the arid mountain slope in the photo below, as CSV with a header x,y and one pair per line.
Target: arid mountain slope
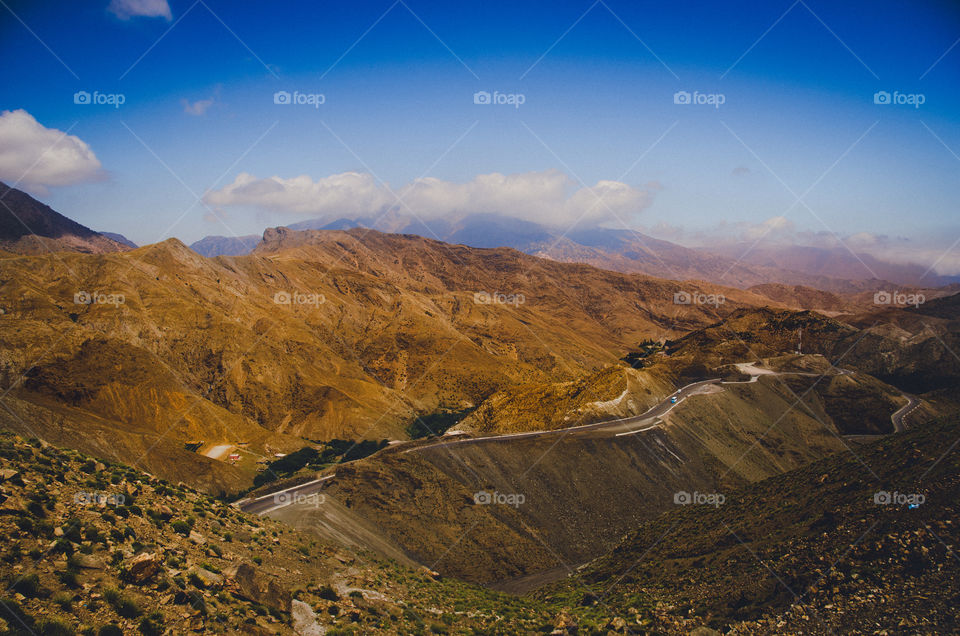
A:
x,y
316,334
832,263
576,493
912,348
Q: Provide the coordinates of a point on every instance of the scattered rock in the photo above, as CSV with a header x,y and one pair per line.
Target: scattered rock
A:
x,y
305,621
617,624
197,538
88,562
564,624
11,506
210,579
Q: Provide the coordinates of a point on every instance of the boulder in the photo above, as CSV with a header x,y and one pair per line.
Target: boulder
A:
x,y
246,581
564,624
142,567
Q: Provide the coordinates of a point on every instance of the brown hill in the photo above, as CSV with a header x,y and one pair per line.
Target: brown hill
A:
x,y
316,334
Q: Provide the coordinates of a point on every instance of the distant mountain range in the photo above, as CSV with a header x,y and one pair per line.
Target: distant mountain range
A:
x,y
29,226
743,266
211,246
120,238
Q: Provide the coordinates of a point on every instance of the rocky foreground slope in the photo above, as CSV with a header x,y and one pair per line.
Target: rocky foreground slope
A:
x,y
94,548
863,543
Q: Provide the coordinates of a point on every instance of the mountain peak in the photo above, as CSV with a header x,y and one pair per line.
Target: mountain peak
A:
x,y
31,227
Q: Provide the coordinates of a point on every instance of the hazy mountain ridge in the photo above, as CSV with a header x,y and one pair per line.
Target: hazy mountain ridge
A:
x,y
627,251
211,246
28,226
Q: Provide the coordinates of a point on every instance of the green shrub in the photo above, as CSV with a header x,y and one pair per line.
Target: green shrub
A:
x,y
124,606
55,627
64,600
151,626
28,585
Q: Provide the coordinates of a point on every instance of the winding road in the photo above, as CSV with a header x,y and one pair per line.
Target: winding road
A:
x,y
903,411
617,428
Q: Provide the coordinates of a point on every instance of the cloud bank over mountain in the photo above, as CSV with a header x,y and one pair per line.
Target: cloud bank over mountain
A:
x,y
547,197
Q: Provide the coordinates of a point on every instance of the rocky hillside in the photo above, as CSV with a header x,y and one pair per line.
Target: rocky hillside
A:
x,y
912,348
615,391
859,543
101,549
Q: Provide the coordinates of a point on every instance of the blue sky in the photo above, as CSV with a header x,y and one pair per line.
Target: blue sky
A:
x,y
597,81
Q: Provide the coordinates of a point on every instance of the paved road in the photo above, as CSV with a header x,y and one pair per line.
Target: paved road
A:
x,y
902,412
282,498
626,425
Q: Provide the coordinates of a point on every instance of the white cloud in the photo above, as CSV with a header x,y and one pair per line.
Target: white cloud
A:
x,y
126,9
349,194
198,107
36,156
547,197
774,228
